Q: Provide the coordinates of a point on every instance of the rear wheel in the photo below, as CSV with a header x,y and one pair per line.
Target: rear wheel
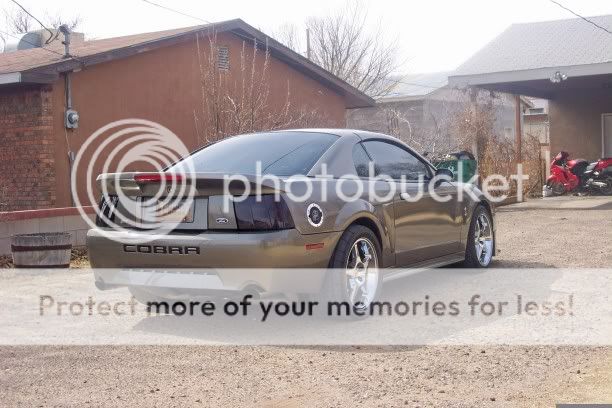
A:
x,y
355,277
607,189
480,241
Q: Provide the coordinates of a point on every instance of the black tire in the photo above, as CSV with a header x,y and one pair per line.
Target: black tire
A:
x,y
472,260
335,288
607,190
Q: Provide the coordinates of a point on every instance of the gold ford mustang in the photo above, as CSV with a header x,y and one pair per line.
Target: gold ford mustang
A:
x,y
316,199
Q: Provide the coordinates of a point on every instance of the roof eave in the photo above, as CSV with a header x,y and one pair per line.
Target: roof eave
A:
x,y
411,98
12,78
491,78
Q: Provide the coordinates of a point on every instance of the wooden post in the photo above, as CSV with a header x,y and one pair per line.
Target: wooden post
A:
x,y
518,139
517,128
474,113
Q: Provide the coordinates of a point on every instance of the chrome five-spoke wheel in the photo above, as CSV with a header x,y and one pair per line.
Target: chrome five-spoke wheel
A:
x,y
483,239
362,273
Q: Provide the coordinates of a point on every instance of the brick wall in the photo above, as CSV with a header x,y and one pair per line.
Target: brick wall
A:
x,y
27,168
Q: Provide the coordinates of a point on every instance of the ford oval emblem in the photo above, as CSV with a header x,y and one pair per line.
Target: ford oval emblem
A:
x,y
222,220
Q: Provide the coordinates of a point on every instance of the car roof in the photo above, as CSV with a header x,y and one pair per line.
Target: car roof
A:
x,y
363,134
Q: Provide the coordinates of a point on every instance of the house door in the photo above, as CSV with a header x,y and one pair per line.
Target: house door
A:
x,y
606,135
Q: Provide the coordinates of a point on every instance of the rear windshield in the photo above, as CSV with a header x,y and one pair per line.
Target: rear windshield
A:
x,y
280,154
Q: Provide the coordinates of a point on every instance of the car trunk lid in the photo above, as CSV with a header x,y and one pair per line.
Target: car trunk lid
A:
x,y
200,201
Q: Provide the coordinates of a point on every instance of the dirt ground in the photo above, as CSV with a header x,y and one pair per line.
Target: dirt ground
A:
x,y
542,233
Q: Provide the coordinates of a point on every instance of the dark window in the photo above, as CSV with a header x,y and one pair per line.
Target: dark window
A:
x,y
361,160
394,161
280,154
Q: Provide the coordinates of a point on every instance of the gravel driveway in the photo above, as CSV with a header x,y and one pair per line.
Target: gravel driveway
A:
x,y
369,376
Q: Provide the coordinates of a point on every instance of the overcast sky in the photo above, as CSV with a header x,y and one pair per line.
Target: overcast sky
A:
x,y
434,35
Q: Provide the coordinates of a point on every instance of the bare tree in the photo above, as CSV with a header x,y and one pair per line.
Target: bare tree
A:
x,y
340,44
18,21
428,125
56,20
496,153
289,35
237,99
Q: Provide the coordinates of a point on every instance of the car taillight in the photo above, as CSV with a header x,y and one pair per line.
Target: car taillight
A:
x,y
106,208
143,178
266,214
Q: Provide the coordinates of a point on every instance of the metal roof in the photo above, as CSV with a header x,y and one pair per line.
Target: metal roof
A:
x,y
415,86
537,49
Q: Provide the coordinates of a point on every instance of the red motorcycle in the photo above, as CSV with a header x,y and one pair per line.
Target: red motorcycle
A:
x,y
578,175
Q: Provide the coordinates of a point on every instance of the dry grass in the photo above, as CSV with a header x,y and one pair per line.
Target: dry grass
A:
x,y
496,154
499,158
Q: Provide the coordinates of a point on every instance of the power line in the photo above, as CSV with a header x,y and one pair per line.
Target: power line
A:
x,y
176,11
53,35
582,17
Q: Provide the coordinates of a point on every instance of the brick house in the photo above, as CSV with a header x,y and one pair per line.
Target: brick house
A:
x,y
154,76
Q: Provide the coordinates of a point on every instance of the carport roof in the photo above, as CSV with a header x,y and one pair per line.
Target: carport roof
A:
x,y
535,51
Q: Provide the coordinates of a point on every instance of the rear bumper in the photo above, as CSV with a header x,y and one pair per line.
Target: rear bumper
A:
x,y
182,284
223,261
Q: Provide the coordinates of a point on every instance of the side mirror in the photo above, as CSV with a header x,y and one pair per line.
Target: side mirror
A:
x,y
445,173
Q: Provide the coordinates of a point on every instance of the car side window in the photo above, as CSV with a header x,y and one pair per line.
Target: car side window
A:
x,y
361,160
395,162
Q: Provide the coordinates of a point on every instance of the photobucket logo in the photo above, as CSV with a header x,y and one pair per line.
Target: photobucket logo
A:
x,y
375,188
154,201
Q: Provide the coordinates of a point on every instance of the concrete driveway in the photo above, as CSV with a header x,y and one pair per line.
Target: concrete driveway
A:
x,y
559,232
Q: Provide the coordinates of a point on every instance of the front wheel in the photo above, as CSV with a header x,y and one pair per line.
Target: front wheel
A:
x,y
556,187
355,277
480,241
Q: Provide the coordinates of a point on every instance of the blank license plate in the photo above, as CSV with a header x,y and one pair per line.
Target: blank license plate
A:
x,y
175,212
